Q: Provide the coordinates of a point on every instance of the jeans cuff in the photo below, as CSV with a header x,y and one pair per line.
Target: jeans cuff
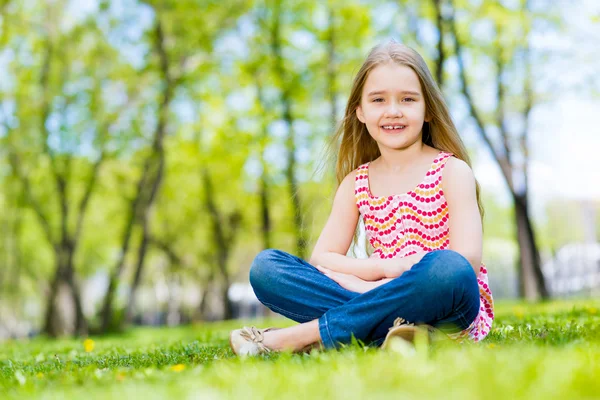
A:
x,y
324,332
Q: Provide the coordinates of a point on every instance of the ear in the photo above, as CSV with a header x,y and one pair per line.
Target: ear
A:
x,y
360,115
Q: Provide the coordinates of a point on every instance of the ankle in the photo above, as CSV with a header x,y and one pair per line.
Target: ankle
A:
x,y
280,341
272,341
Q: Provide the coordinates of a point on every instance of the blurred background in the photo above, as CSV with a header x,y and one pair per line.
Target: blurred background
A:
x,y
150,149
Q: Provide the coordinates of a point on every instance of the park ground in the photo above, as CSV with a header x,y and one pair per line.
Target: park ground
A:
x,y
535,351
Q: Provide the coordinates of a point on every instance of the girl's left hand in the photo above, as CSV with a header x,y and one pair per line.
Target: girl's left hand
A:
x,y
348,281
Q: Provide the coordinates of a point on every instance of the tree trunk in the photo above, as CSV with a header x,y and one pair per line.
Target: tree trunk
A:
x,y
265,213
81,324
143,201
290,170
64,275
159,153
107,308
531,279
145,241
17,255
223,236
138,273
227,305
441,57
50,316
202,307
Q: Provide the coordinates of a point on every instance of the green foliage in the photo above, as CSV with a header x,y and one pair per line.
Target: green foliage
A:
x,y
103,96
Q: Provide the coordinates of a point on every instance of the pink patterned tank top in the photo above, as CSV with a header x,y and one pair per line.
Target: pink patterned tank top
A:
x,y
400,225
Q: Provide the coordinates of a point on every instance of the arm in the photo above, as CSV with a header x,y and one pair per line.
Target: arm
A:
x,y
464,221
351,282
336,237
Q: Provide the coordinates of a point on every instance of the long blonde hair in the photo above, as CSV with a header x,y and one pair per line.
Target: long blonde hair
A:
x,y
357,147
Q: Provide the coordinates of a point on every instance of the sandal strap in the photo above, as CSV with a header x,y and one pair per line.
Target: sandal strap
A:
x,y
400,321
256,335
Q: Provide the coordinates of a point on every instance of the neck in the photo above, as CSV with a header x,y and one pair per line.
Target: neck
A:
x,y
398,159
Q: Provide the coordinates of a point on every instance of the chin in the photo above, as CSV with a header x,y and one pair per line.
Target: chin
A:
x,y
396,144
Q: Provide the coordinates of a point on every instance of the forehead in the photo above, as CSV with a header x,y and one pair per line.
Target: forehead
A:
x,y
393,78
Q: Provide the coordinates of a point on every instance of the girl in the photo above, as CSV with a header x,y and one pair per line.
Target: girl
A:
x,y
403,169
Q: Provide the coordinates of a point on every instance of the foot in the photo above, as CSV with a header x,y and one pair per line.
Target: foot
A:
x,y
401,330
248,341
287,340
251,341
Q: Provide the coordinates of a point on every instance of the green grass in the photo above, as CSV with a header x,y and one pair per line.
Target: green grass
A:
x,y
549,350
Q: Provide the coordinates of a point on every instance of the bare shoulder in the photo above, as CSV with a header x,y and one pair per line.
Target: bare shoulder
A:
x,y
457,168
345,191
350,178
457,173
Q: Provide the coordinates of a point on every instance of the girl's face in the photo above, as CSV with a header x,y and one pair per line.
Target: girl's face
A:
x,y
392,98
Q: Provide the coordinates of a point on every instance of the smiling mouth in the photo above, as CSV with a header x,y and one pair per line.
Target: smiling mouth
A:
x,y
393,128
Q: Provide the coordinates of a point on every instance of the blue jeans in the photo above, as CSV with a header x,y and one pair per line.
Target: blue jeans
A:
x,y
441,290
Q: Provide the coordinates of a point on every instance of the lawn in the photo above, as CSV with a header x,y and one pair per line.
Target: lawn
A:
x,y
541,351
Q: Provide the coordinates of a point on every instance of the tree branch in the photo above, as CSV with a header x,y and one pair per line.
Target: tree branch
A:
x,y
37,208
439,19
500,114
166,248
505,166
528,91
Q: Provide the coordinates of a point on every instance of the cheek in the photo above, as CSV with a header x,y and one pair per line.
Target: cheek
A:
x,y
417,114
372,115
422,111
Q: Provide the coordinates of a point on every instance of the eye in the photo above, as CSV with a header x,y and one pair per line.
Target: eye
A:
x,y
377,100
408,98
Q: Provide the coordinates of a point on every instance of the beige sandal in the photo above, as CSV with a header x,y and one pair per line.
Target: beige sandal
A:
x,y
403,330
248,341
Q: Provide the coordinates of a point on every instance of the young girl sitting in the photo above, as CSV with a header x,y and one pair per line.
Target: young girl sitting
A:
x,y
403,169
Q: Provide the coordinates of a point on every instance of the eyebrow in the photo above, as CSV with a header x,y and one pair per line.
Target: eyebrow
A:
x,y
384,91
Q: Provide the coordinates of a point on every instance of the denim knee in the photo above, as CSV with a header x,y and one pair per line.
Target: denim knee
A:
x,y
448,267
263,268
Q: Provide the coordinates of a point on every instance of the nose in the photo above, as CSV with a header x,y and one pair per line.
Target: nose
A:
x,y
393,110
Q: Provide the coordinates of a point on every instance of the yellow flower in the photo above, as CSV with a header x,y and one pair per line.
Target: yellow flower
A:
x,y
178,367
39,375
491,346
120,377
592,310
88,345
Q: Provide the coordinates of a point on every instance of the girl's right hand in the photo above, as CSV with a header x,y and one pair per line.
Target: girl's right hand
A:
x,y
394,267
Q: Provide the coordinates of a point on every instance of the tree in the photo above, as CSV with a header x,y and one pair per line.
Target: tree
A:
x,y
44,139
507,51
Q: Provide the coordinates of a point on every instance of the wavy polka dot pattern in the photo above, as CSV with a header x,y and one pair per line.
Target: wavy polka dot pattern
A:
x,y
400,225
